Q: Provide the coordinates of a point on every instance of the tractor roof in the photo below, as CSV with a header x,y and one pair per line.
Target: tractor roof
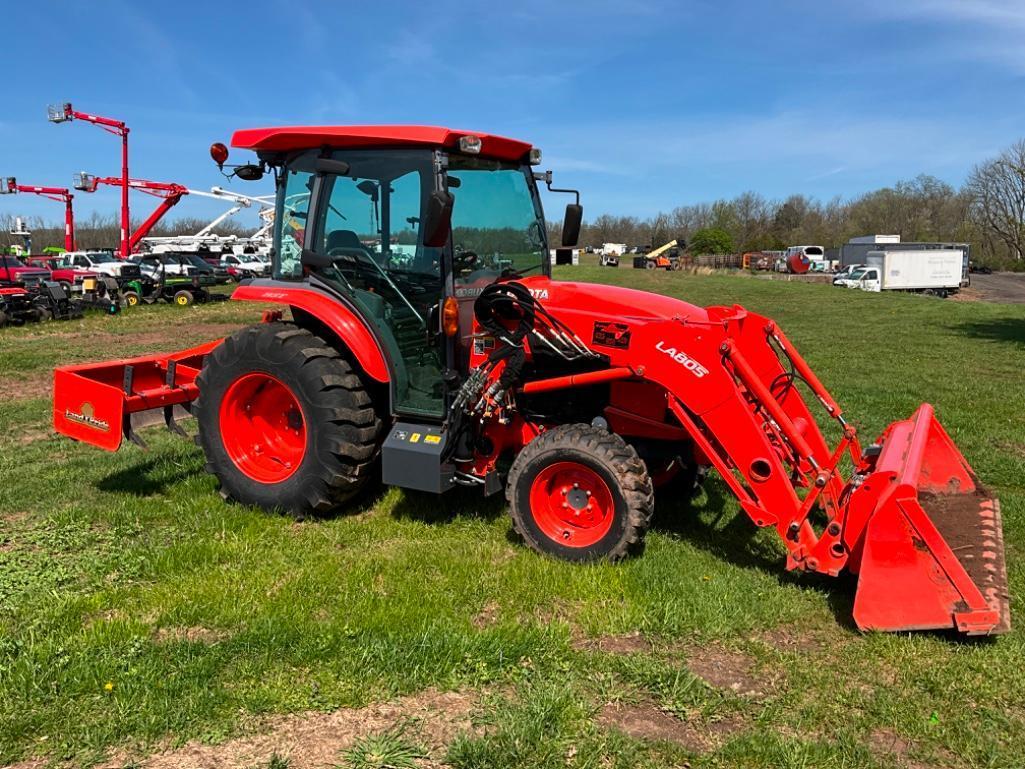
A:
x,y
364,136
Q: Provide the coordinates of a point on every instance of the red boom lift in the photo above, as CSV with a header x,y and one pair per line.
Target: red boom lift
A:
x,y
60,194
63,113
169,193
426,334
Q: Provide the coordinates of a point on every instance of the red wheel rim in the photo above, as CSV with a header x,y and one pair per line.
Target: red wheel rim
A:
x,y
262,428
572,504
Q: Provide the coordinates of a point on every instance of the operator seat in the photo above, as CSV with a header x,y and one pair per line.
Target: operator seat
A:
x,y
345,239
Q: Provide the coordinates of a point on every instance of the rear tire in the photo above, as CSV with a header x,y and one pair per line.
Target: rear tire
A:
x,y
131,298
580,493
316,437
183,298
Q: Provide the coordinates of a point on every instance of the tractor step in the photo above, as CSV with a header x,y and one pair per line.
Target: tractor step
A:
x,y
412,457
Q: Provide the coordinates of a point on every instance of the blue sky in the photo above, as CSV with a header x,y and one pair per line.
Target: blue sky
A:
x,y
643,105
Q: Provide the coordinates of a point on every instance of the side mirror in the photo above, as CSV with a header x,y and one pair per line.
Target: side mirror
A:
x,y
571,224
437,222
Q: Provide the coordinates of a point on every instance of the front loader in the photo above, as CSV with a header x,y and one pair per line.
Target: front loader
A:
x,y
420,331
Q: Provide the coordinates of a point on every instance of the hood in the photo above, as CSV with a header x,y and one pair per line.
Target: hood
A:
x,y
610,301
30,273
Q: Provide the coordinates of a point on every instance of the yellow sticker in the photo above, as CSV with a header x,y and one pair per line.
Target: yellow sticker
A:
x,y
414,438
432,439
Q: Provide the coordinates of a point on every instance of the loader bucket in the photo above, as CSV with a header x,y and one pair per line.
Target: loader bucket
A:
x,y
930,554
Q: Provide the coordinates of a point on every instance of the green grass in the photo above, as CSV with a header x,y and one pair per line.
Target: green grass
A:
x,y
137,609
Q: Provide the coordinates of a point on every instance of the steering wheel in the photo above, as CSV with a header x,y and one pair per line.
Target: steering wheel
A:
x,y
356,253
465,260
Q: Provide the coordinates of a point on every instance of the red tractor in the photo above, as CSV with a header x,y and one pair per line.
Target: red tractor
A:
x,y
425,335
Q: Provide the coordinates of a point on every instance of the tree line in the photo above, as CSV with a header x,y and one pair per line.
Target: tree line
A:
x,y
988,211
103,231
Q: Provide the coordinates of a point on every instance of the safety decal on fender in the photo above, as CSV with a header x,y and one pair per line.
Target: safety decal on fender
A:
x,y
611,334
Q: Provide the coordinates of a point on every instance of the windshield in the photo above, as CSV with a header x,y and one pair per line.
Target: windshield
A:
x,y
10,261
101,257
858,274
197,260
497,228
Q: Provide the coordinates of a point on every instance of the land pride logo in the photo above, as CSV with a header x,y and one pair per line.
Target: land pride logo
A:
x,y
85,417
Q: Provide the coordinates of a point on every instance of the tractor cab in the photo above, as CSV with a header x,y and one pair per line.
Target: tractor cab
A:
x,y
397,231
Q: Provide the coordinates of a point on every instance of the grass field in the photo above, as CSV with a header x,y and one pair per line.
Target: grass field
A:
x,y
139,613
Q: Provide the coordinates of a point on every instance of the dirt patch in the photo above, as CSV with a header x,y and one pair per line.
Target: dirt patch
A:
x,y
727,669
315,740
629,643
787,639
487,616
31,763
24,386
25,437
556,611
1000,287
888,743
647,722
1010,447
195,634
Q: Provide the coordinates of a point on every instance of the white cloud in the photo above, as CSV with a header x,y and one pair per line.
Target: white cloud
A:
x,y
982,30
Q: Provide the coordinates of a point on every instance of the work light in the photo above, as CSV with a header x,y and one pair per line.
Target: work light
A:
x,y
470,144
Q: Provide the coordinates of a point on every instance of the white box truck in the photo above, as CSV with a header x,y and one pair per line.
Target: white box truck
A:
x,y
934,271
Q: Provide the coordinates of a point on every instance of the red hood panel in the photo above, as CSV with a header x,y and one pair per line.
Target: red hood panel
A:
x,y
613,301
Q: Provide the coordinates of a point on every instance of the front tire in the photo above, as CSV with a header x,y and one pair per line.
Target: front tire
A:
x,y
580,493
285,421
183,298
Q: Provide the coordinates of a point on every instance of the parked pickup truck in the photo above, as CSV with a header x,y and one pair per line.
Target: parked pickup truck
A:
x,y
937,272
241,266
104,263
14,272
62,270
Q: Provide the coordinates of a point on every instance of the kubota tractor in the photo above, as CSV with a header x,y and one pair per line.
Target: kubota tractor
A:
x,y
420,329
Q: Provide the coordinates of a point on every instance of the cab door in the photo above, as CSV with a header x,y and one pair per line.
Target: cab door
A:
x,y
368,222
870,281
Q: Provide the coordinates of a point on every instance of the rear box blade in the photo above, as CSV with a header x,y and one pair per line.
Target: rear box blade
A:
x,y
931,553
94,402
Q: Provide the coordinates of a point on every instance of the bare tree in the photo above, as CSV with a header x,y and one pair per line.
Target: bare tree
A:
x,y
997,190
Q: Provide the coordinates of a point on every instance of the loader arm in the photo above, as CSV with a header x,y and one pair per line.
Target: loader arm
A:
x,y
912,520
